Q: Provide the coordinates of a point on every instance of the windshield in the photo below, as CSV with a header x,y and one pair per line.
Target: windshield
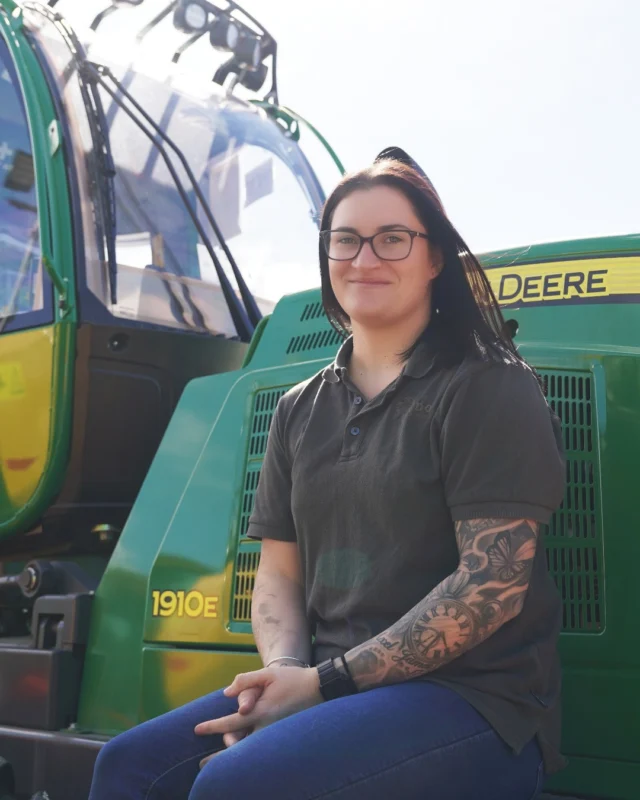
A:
x,y
259,186
22,284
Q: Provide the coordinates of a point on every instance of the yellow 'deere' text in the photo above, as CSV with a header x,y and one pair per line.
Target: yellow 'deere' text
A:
x,y
565,280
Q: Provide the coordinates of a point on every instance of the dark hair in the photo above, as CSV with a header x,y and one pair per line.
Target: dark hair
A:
x,y
464,308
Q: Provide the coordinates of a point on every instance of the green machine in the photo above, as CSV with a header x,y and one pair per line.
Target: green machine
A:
x,y
158,295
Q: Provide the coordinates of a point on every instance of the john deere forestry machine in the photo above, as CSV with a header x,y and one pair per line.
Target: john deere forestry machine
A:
x,y
158,295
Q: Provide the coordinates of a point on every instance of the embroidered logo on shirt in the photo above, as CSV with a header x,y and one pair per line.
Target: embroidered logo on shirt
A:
x,y
408,405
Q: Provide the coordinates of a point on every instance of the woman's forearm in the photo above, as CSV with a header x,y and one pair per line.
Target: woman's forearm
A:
x,y
278,617
487,590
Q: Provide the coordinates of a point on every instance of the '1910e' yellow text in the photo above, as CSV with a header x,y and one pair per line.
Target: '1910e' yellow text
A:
x,y
184,604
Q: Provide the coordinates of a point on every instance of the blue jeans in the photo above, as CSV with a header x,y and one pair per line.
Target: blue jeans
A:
x,y
411,741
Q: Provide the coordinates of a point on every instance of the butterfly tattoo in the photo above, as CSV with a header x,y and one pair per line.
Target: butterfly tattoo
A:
x,y
509,560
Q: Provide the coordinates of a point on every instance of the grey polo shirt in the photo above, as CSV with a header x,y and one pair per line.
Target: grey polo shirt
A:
x,y
370,492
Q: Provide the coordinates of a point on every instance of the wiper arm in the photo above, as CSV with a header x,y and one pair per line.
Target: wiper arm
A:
x,y
252,310
106,190
96,73
102,189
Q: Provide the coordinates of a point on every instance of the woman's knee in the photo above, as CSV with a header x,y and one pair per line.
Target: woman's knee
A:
x,y
112,763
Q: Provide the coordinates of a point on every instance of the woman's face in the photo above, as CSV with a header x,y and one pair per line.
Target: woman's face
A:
x,y
372,291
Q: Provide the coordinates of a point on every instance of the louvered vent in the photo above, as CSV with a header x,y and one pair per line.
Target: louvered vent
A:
x,y
312,311
316,334
264,406
248,554
573,538
247,561
574,535
314,341
250,486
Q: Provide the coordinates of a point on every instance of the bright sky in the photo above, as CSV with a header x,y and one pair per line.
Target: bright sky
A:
x,y
525,115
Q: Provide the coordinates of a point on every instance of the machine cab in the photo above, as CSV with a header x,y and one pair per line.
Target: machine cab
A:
x,y
146,227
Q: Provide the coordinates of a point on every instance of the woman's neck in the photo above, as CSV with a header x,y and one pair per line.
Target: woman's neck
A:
x,y
376,360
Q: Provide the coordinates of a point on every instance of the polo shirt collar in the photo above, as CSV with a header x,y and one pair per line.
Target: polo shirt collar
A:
x,y
417,366
335,372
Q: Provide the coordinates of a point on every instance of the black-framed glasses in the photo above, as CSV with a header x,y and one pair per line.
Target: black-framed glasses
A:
x,y
391,245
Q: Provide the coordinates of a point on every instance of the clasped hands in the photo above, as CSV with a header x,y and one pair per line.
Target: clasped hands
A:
x,y
264,696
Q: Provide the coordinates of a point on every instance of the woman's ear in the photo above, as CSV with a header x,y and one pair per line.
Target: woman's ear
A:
x,y
437,262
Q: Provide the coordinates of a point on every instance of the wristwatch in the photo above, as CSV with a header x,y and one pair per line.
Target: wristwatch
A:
x,y
335,681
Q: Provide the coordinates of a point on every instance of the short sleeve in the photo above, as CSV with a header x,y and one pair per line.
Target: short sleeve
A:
x,y
501,449
271,517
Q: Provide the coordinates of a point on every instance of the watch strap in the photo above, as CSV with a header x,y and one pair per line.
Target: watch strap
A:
x,y
335,681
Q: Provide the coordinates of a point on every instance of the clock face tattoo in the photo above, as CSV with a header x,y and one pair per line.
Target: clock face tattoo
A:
x,y
442,631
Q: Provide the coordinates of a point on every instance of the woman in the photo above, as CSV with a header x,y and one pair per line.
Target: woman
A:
x,y
399,508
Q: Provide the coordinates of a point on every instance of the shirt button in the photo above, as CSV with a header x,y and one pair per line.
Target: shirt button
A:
x,y
357,400
354,431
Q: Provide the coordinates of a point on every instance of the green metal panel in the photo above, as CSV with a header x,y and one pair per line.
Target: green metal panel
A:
x,y
181,535
564,250
57,251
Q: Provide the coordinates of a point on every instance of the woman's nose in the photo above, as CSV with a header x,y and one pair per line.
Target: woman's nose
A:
x,y
366,257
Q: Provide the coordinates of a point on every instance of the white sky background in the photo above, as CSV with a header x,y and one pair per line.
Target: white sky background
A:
x,y
525,115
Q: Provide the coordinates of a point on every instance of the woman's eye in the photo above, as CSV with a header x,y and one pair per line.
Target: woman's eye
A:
x,y
346,240
392,239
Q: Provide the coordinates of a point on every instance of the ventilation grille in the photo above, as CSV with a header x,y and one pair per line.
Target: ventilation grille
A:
x,y
248,496
248,554
314,341
576,571
570,396
312,311
574,536
246,567
264,406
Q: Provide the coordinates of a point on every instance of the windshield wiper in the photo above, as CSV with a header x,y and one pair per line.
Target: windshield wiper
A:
x,y
103,190
101,72
245,314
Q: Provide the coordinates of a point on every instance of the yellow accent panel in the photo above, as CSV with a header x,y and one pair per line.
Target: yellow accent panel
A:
x,y
171,611
171,678
559,281
26,362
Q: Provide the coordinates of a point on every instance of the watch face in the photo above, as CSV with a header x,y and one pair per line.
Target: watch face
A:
x,y
442,631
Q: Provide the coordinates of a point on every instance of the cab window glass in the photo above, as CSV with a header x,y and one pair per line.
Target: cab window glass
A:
x,y
21,277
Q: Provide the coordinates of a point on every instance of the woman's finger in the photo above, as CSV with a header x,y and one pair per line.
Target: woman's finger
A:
x,y
229,724
207,759
247,680
230,739
248,698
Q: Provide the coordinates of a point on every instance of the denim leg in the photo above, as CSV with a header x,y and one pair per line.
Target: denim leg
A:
x,y
159,759
412,741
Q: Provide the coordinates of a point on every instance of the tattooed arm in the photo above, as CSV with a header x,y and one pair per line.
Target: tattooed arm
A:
x,y
278,613
487,589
